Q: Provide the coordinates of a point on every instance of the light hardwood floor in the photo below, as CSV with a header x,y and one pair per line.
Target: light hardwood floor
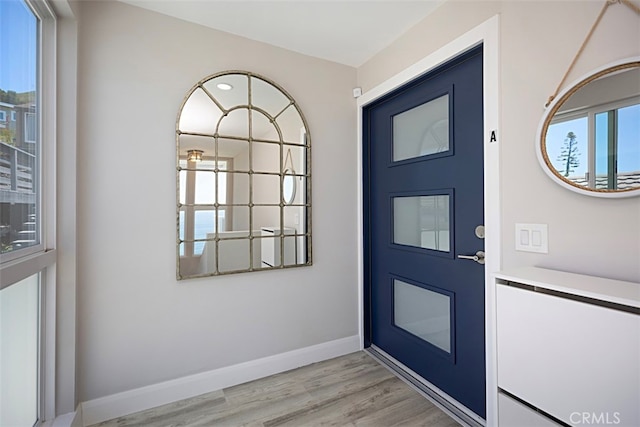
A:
x,y
352,390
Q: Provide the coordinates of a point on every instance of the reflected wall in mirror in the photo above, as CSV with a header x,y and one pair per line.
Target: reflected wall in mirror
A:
x,y
589,138
243,178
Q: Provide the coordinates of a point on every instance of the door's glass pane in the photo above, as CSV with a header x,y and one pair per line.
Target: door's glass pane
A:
x,y
19,353
19,135
423,313
422,221
422,130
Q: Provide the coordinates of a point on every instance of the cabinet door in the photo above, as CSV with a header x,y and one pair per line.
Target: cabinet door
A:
x,y
570,359
512,413
268,248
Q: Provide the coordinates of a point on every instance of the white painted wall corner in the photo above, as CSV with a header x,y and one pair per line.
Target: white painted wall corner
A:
x,y
71,419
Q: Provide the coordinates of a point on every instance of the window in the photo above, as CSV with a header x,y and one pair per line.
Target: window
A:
x,y
19,329
30,128
598,147
197,195
3,116
19,168
27,177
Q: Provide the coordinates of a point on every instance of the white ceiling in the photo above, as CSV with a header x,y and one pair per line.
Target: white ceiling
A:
x,y
347,32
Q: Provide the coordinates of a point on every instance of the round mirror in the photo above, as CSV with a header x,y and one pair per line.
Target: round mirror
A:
x,y
289,187
589,137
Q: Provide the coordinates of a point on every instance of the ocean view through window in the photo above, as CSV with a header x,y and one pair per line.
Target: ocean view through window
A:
x,y
198,196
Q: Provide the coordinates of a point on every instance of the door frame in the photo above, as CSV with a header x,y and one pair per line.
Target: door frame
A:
x,y
486,33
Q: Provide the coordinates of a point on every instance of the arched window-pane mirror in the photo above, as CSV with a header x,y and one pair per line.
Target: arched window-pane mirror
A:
x,y
589,138
243,178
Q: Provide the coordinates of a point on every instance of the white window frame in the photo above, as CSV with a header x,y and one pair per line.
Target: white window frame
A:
x,y
13,116
590,113
189,212
26,127
3,116
41,258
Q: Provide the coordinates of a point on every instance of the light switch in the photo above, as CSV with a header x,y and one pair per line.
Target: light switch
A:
x,y
532,238
536,238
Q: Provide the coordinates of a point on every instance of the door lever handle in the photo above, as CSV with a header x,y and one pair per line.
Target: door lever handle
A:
x,y
478,257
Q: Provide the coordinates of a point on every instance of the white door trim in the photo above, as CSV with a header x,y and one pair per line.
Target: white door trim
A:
x,y
488,34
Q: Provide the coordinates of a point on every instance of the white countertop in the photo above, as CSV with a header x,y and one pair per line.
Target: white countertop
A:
x,y
615,291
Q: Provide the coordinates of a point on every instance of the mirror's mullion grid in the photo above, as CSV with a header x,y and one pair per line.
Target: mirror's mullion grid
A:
x,y
216,148
281,169
252,175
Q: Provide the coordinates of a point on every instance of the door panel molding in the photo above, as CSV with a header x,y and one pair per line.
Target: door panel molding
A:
x,y
487,34
451,354
435,94
432,252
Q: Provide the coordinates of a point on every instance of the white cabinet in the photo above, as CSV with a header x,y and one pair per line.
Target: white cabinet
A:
x,y
271,246
512,413
569,346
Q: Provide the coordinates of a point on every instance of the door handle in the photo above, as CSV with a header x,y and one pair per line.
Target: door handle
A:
x,y
478,257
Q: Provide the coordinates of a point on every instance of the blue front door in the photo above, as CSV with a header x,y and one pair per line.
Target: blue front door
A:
x,y
424,195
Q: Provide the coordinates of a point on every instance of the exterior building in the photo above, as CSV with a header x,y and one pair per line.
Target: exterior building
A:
x,y
17,161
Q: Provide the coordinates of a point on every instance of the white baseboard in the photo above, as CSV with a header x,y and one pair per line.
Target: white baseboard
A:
x,y
129,402
71,419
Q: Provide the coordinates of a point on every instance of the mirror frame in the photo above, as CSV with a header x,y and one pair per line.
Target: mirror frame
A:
x,y
552,109
304,236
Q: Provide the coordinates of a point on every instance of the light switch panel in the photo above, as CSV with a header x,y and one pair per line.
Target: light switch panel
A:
x,y
532,238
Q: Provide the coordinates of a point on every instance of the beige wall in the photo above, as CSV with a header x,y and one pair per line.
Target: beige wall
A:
x,y
136,325
538,40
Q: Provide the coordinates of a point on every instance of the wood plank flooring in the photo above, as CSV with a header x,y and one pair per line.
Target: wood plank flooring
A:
x,y
352,390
